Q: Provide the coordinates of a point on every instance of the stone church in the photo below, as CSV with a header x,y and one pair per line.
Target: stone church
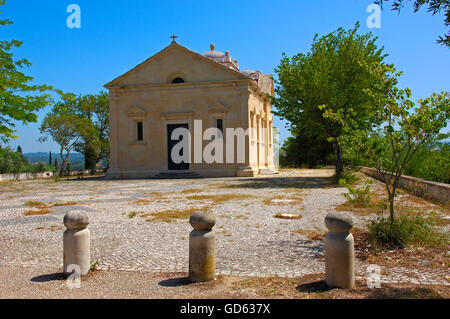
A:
x,y
176,88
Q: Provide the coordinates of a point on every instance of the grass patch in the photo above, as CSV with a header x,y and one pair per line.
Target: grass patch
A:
x,y
288,184
141,201
36,204
133,214
311,235
219,198
358,196
156,193
171,216
406,230
191,191
65,204
55,227
43,206
43,211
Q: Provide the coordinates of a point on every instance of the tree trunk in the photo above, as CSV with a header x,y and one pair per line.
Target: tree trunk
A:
x,y
391,208
90,159
62,164
338,161
64,161
391,203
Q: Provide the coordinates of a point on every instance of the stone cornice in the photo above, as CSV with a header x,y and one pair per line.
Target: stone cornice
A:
x,y
177,114
239,84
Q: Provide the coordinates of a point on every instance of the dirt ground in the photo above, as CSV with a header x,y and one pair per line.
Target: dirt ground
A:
x,y
38,283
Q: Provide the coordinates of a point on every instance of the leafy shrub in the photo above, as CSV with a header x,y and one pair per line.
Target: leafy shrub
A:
x,y
432,163
16,162
358,196
405,231
348,176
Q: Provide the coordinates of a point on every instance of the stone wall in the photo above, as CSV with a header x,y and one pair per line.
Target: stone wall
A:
x,y
25,176
439,192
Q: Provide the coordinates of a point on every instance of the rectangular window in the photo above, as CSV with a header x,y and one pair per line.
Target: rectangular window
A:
x,y
140,131
220,125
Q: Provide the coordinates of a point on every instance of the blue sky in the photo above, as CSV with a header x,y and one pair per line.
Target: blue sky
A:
x,y
117,35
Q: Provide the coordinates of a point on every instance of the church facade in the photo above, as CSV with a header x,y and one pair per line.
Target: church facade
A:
x,y
178,88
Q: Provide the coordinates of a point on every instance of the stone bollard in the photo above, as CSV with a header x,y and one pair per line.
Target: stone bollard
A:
x,y
76,242
202,246
339,251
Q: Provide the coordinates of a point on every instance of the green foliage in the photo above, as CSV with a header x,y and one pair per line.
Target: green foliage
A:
x,y
94,266
431,162
347,175
404,131
305,150
405,231
79,123
94,143
358,196
337,87
434,6
64,126
16,102
16,162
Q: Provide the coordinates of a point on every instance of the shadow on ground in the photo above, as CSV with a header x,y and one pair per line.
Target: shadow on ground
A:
x,y
285,182
316,286
404,293
49,277
176,282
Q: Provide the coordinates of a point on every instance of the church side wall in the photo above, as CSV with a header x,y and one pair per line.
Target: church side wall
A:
x,y
261,144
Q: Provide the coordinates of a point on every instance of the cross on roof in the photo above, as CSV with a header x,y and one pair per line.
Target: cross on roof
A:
x,y
173,38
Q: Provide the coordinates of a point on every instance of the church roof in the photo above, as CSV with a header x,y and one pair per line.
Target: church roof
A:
x,y
173,45
214,58
222,58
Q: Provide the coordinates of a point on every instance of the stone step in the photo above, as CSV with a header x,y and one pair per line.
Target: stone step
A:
x,y
176,175
267,171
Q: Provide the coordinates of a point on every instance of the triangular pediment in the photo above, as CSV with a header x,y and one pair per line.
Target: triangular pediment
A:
x,y
218,107
136,111
176,61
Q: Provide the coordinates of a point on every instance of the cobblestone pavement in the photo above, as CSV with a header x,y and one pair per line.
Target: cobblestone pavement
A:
x,y
250,241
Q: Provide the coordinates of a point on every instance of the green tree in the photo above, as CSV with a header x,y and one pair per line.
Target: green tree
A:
x,y
56,163
302,149
19,149
431,162
434,6
64,126
16,102
16,162
404,131
94,142
50,158
12,162
344,77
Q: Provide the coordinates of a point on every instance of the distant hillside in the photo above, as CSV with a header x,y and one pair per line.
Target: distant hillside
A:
x,y
76,160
